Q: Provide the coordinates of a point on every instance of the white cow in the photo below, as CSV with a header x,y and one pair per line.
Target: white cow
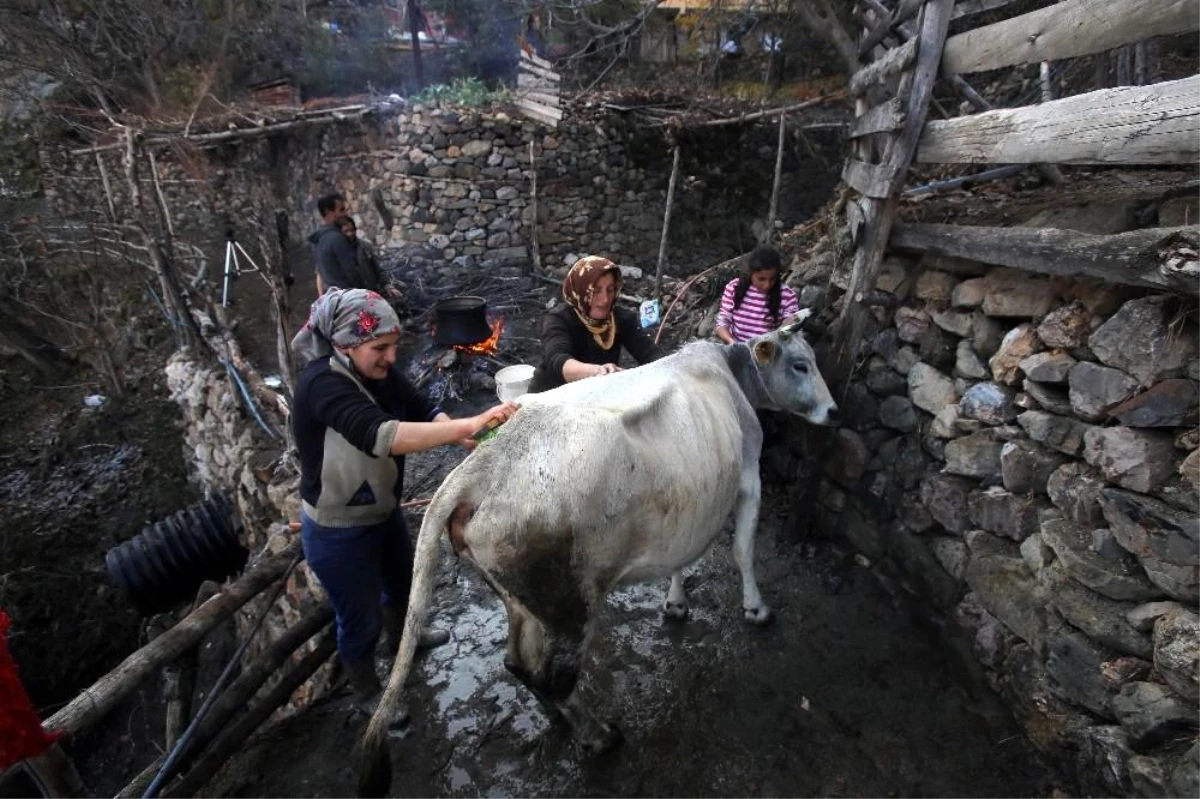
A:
x,y
610,480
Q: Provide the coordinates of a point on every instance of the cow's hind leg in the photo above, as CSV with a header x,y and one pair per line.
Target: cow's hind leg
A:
x,y
676,606
745,527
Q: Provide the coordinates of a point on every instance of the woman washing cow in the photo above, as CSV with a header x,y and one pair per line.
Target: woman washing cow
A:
x,y
584,336
355,418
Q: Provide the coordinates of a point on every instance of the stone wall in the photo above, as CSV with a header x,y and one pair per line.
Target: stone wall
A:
x,y
1020,454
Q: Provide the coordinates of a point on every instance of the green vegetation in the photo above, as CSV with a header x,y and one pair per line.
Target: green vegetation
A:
x,y
470,92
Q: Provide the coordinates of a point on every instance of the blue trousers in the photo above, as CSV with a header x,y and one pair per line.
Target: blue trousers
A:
x,y
360,568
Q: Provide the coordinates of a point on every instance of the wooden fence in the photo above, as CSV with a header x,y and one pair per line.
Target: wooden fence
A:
x,y
1158,124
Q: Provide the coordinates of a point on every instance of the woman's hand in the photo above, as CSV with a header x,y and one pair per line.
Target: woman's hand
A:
x,y
604,369
498,414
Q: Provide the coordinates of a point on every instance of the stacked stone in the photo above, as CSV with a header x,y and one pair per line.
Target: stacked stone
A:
x,y
1022,453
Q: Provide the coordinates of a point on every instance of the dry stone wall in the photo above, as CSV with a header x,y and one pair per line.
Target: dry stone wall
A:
x,y
1021,454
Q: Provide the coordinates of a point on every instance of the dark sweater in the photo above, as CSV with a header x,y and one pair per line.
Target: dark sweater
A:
x,y
335,259
344,428
564,337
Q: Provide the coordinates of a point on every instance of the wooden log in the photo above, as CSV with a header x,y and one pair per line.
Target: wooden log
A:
x,y
106,693
1131,259
235,735
896,60
541,98
886,22
540,113
533,82
1157,124
870,180
545,74
883,118
771,211
534,247
965,8
666,226
535,59
242,690
1066,30
770,112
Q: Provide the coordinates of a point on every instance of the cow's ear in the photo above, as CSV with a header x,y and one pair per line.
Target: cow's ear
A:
x,y
764,351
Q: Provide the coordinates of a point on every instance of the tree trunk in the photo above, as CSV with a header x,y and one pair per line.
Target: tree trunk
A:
x,y
414,29
826,25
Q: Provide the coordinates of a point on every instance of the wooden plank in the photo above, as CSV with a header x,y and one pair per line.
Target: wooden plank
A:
x,y
904,11
537,60
883,118
896,59
965,8
1131,259
869,180
532,69
543,99
1158,124
525,81
540,113
855,219
1066,30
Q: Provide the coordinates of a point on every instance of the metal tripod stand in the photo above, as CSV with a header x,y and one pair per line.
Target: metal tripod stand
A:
x,y
233,267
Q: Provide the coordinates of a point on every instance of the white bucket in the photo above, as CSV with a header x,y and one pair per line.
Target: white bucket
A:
x,y
513,381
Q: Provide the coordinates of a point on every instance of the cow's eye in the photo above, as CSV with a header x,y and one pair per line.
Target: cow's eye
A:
x,y
802,368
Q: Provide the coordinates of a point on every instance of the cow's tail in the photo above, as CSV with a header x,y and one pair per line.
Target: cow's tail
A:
x,y
375,767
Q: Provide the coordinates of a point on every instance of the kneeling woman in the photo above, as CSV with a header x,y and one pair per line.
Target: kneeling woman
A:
x,y
583,337
355,418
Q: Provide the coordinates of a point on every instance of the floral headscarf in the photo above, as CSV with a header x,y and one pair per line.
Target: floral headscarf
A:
x,y
343,318
578,287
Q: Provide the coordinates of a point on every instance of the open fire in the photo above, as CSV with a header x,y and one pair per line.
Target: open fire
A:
x,y
489,345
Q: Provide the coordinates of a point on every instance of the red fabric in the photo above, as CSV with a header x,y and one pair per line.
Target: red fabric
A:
x,y
21,733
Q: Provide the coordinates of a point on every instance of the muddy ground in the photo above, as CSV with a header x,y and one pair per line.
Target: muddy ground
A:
x,y
844,695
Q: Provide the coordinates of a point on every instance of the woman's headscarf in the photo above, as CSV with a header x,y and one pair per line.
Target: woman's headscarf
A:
x,y
578,287
343,318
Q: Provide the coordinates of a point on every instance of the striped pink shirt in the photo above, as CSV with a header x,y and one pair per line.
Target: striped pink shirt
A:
x,y
750,319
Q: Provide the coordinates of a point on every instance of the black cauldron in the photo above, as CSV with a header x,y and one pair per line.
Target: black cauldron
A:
x,y
461,321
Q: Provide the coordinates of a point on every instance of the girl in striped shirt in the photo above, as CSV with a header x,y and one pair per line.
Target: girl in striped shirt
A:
x,y
757,302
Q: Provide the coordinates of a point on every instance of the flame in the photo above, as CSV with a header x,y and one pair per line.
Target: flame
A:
x,y
489,345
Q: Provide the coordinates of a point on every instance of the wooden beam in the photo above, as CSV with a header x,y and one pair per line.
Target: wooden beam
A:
x,y
526,81
540,113
544,99
883,118
1131,259
1158,124
870,180
107,692
905,10
965,8
1066,30
541,73
537,60
896,60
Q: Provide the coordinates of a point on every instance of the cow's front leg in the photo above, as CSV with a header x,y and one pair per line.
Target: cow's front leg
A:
x,y
676,606
745,526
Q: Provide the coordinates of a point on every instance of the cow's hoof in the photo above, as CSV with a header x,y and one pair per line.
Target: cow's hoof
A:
x,y
760,616
675,611
607,739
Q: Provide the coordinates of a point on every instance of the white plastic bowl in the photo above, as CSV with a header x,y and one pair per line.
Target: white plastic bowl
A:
x,y
513,381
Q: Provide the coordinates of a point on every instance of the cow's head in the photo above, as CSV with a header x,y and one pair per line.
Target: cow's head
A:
x,y
788,372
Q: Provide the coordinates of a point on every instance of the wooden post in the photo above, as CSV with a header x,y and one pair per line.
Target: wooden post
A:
x,y
105,694
662,244
1044,72
771,214
414,29
534,247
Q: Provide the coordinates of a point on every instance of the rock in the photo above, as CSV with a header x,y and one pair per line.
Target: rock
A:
x,y
935,287
922,569
1179,211
962,267
1066,327
904,360
988,403
1100,763
476,148
883,380
1016,294
1057,432
1004,513
850,459
1072,544
1133,459
929,389
1185,777
1190,469
1177,582
1171,403
507,193
1187,440
986,334
955,322
1018,344
969,293
1143,617
952,554
1150,528
1098,218
1048,398
1048,367
893,278
911,324
1073,663
1026,467
969,365
1139,340
1177,652
860,409
1036,554
943,425
976,455
898,414
1005,588
1151,715
1103,619
1095,389
914,515
945,497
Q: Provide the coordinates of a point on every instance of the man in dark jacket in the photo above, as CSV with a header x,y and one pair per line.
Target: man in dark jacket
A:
x,y
333,255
